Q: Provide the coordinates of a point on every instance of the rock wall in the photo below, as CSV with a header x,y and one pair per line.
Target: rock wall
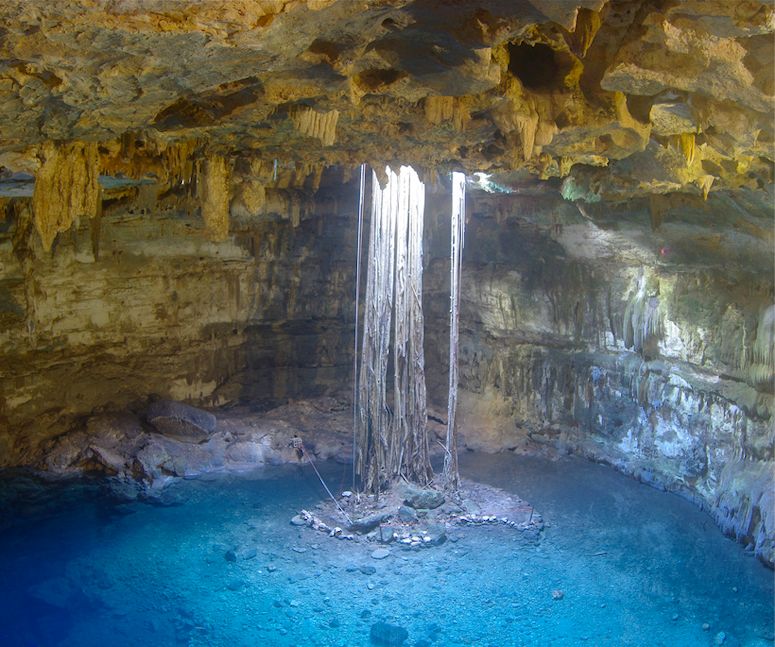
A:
x,y
139,301
640,335
633,342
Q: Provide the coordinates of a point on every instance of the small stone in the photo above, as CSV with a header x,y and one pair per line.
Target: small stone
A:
x,y
297,520
720,638
370,586
230,556
675,617
235,585
298,549
367,570
346,494
734,589
294,604
380,553
705,626
271,568
558,594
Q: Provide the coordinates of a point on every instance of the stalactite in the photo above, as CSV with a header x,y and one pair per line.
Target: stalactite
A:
x,y
439,109
687,145
705,183
214,193
762,366
66,188
321,125
588,23
457,238
643,318
527,125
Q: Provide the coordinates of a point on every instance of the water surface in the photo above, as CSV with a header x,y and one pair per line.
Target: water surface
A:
x,y
216,563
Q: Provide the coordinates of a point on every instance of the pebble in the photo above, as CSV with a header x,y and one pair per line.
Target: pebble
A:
x,y
271,568
720,638
346,494
368,570
298,549
380,553
557,594
675,617
705,626
370,586
294,603
297,520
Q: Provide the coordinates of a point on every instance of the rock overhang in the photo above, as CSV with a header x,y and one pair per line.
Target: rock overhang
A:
x,y
614,98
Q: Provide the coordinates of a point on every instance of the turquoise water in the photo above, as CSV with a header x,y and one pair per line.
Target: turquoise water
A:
x,y
215,562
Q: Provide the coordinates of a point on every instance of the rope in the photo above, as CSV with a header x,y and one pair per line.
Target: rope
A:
x,y
357,306
333,498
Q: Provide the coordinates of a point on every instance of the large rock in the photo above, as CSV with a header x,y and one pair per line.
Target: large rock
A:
x,y
370,522
181,421
423,499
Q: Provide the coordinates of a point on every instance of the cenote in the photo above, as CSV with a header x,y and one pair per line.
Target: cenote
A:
x,y
636,567
387,323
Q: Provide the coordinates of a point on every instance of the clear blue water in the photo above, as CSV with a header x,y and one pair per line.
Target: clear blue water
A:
x,y
637,567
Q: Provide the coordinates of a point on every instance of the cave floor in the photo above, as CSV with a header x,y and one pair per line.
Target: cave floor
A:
x,y
216,562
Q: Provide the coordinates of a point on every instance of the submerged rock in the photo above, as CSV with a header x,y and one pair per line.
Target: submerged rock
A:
x,y
181,421
387,635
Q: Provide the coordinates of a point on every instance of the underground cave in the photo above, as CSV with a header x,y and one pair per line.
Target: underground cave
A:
x,y
387,322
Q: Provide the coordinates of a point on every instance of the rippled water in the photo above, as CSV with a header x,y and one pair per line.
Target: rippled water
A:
x,y
636,567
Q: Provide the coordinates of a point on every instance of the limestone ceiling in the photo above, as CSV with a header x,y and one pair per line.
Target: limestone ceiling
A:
x,y
612,97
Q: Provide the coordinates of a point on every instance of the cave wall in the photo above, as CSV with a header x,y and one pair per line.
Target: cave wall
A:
x,y
637,334
640,342
140,301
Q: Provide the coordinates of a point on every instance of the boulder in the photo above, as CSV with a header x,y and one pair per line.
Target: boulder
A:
x,y
370,522
423,499
181,421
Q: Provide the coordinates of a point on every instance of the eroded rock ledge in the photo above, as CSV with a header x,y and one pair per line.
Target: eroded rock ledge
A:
x,y
616,97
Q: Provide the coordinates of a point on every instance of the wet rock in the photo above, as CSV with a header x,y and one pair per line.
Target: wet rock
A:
x,y
298,520
387,635
370,522
181,421
380,553
407,514
367,570
435,535
425,499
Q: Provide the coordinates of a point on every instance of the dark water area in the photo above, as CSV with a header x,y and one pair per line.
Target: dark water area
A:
x,y
214,561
